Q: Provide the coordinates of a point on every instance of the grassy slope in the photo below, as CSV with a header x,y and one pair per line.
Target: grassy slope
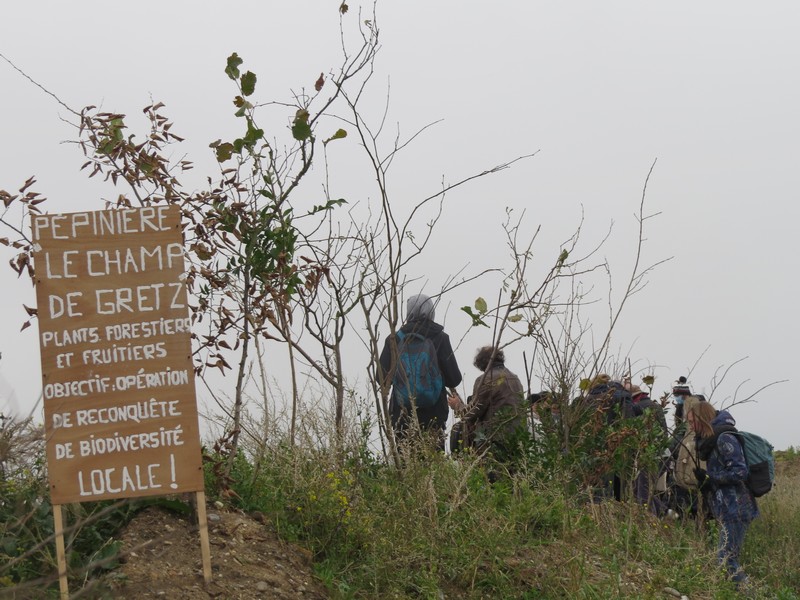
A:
x,y
437,528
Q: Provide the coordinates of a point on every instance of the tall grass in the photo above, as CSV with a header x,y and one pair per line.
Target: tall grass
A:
x,y
434,527
437,528
772,546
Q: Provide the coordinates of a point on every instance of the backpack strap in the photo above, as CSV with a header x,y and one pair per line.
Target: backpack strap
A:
x,y
411,334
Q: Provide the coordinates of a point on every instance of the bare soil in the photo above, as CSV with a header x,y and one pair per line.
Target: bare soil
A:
x,y
162,559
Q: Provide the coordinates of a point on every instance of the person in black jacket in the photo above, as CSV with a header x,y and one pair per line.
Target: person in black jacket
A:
x,y
419,320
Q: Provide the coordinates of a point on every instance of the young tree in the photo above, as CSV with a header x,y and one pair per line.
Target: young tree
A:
x,y
241,232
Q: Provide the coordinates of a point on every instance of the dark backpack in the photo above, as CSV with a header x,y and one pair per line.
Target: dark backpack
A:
x,y
760,462
417,379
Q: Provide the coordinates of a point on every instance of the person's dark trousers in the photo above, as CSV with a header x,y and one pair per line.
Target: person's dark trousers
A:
x,y
731,539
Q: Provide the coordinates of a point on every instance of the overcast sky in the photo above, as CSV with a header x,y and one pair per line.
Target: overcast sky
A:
x,y
600,89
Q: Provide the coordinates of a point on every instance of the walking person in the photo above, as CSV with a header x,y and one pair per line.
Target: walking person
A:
x,y
732,503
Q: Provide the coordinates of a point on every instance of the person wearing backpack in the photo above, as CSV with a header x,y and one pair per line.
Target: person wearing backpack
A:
x,y
686,495
725,476
494,419
419,364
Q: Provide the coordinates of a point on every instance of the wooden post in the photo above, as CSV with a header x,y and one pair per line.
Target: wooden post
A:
x,y
58,521
205,547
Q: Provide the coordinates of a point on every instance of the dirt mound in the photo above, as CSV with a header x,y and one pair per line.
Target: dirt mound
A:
x,y
162,559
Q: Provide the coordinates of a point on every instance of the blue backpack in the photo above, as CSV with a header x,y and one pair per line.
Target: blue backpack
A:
x,y
417,379
760,462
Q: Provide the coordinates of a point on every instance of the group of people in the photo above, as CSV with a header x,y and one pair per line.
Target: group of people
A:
x,y
704,461
492,415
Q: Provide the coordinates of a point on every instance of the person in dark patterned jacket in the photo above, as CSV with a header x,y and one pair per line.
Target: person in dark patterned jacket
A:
x,y
732,503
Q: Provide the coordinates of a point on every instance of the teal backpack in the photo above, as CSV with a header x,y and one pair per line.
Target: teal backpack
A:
x,y
417,379
758,453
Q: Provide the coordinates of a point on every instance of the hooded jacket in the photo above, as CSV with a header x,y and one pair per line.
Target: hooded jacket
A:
x,y
731,500
435,416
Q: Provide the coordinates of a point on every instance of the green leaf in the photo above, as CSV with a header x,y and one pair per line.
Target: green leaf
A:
x,y
480,305
515,318
648,380
584,385
253,134
340,134
563,256
232,70
224,151
476,319
301,130
248,83
106,147
115,129
328,205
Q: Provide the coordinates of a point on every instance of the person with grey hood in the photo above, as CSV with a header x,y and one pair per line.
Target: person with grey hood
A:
x,y
419,327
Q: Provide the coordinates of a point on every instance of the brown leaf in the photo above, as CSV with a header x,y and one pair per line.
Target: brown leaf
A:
x,y
28,184
320,82
343,8
31,311
25,325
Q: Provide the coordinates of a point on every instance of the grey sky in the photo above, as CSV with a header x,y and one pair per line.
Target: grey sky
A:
x,y
601,90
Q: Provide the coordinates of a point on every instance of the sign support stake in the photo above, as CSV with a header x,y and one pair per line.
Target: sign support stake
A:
x,y
58,521
205,547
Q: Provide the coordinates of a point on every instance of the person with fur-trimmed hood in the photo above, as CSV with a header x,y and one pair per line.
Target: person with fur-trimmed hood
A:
x,y
420,314
732,502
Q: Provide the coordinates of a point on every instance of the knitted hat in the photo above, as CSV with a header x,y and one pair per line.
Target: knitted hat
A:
x,y
681,388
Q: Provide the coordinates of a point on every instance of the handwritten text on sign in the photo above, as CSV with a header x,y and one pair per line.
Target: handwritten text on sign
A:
x,y
118,383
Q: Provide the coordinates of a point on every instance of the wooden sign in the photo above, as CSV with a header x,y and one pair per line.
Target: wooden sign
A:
x,y
114,331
